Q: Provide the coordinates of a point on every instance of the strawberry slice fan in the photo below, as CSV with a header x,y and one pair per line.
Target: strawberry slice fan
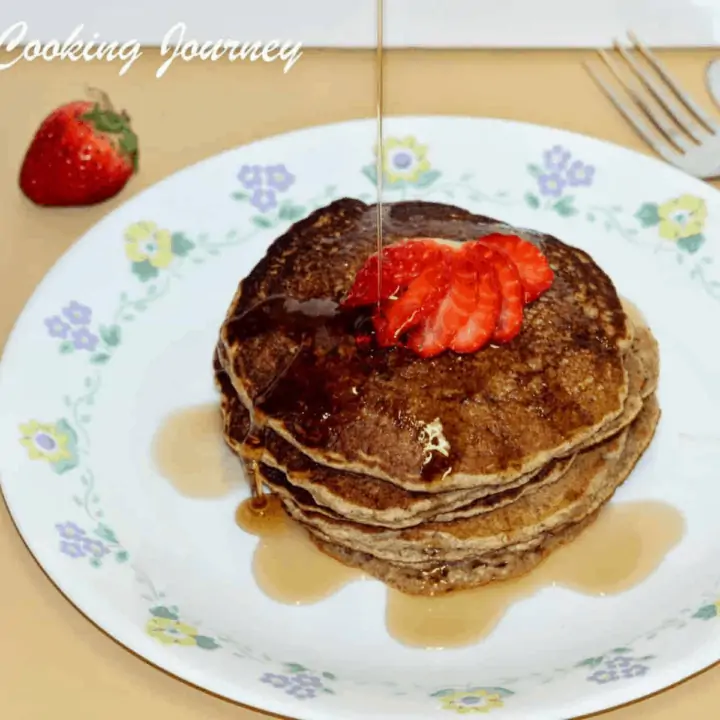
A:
x,y
436,297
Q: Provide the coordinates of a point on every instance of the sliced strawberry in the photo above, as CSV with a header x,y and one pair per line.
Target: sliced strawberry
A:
x,y
511,310
446,298
413,306
511,289
480,326
401,263
536,275
453,310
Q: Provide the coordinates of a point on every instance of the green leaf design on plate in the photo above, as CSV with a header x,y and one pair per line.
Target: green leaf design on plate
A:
x,y
99,358
66,347
706,612
122,556
181,244
111,334
239,195
104,532
648,215
291,212
206,643
534,170
160,611
261,221
329,676
144,270
621,650
95,562
443,693
591,662
499,691
532,200
328,691
65,428
295,668
427,178
62,466
370,172
564,206
691,244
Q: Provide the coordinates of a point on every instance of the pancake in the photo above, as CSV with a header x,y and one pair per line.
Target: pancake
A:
x,y
359,497
436,579
365,511
456,422
588,483
639,380
369,500
508,560
518,522
645,348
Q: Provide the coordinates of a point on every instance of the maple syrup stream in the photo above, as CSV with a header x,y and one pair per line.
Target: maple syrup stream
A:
x,y
380,152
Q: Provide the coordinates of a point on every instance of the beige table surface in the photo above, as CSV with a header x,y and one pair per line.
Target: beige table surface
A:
x,y
53,662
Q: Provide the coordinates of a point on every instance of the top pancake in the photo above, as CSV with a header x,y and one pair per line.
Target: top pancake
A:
x,y
451,422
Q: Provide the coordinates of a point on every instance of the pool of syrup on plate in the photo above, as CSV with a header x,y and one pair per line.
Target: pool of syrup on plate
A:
x,y
622,548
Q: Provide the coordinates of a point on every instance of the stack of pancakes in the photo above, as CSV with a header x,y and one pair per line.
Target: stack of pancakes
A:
x,y
443,473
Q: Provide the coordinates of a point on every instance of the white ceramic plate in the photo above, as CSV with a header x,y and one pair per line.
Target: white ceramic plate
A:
x,y
121,332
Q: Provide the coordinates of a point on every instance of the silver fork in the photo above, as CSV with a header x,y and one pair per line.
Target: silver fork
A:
x,y
664,116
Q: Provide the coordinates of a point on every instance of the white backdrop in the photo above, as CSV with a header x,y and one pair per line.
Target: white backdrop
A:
x,y
351,23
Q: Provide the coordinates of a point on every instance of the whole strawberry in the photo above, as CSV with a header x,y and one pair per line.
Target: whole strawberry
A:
x,y
82,153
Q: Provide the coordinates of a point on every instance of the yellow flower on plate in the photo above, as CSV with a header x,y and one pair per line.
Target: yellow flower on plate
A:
x,y
682,217
45,441
145,241
171,632
472,702
404,159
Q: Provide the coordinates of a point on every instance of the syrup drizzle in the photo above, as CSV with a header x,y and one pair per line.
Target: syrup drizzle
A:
x,y
380,152
287,567
317,387
621,549
189,451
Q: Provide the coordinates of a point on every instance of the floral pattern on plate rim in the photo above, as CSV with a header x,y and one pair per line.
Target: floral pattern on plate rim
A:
x,y
558,172
473,700
157,259
299,682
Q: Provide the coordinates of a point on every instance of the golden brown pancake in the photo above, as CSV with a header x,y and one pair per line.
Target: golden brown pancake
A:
x,y
554,525
360,497
500,414
443,473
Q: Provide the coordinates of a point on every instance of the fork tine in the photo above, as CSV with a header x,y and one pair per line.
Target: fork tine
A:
x,y
668,131
670,106
640,126
672,84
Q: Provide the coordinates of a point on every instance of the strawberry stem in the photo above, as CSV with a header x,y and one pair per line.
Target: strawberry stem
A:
x,y
105,119
100,97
